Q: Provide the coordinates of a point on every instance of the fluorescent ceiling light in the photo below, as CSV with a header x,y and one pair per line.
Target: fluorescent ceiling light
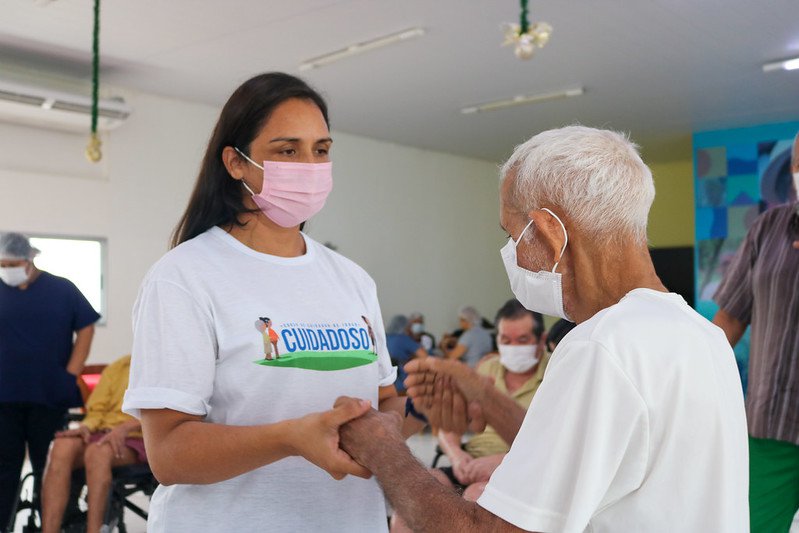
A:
x,y
522,100
359,48
788,64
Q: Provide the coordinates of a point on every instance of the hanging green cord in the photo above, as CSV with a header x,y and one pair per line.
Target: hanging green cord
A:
x,y
524,24
95,65
93,152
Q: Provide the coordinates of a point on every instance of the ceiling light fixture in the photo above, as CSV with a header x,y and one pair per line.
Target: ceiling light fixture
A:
x,y
526,37
359,48
787,64
522,100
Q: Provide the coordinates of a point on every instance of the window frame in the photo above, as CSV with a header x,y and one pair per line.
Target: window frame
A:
x,y
103,311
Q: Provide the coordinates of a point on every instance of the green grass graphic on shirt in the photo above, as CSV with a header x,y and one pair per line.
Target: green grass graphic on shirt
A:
x,y
324,361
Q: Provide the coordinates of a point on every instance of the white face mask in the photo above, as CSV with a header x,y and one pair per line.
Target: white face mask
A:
x,y
518,358
537,291
796,183
417,328
13,276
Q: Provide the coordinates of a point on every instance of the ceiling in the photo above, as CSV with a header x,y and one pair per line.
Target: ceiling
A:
x,y
658,68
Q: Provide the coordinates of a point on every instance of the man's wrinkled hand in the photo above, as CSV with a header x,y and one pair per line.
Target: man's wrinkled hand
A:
x,y
448,393
366,437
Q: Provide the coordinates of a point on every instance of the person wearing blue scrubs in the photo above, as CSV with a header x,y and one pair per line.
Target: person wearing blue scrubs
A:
x,y
401,347
46,330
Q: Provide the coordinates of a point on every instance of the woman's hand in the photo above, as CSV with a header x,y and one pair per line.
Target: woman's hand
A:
x,y
81,432
316,438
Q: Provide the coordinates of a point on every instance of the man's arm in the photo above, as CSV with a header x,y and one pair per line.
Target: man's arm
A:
x,y
80,350
455,353
733,328
375,441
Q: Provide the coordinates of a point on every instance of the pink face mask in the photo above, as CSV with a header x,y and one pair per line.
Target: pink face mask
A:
x,y
292,192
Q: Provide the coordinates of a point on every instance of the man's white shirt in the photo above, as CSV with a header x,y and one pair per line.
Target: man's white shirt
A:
x,y
639,425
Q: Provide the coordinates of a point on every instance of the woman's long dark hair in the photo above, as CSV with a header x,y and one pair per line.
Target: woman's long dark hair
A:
x,y
217,199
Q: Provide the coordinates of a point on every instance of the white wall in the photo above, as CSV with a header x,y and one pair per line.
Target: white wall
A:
x,y
424,224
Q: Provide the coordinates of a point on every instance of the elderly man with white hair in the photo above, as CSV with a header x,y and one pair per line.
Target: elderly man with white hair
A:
x,y
639,422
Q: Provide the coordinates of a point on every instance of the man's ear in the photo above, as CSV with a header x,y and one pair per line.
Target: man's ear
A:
x,y
233,162
549,232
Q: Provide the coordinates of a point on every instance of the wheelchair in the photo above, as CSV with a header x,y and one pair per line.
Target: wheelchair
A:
x,y
125,482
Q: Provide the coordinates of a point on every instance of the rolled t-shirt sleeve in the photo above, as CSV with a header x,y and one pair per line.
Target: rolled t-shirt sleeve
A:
x,y
583,445
174,351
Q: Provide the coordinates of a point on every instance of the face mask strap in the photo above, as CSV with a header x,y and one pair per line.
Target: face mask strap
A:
x,y
522,233
565,235
247,187
242,154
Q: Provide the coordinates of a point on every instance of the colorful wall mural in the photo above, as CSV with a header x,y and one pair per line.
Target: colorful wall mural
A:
x,y
738,174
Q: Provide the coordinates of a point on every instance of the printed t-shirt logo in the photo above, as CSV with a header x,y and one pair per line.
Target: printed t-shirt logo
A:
x,y
317,346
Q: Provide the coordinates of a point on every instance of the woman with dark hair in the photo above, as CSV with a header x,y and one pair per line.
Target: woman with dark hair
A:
x,y
241,442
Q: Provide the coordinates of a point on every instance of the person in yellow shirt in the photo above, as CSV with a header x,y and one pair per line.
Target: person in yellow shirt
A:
x,y
106,438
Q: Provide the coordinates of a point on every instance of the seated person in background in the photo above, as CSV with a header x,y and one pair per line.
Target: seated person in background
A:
x,y
517,371
401,347
473,343
418,333
106,438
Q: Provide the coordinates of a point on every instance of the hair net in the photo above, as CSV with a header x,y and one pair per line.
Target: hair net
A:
x,y
471,315
16,246
397,325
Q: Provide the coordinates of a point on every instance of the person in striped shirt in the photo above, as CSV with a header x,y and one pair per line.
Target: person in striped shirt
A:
x,y
761,290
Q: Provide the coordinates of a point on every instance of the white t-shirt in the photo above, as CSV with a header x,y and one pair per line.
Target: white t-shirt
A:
x,y
639,425
199,348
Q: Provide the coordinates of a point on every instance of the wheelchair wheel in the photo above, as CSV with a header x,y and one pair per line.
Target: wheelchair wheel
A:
x,y
114,515
27,501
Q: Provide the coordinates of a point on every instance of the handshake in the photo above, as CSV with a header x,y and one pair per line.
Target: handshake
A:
x,y
359,440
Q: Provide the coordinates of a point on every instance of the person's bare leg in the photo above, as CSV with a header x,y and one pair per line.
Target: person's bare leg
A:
x,y
66,454
398,525
99,460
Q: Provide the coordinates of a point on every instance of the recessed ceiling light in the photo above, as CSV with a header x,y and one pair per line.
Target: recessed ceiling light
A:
x,y
359,48
787,64
522,100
